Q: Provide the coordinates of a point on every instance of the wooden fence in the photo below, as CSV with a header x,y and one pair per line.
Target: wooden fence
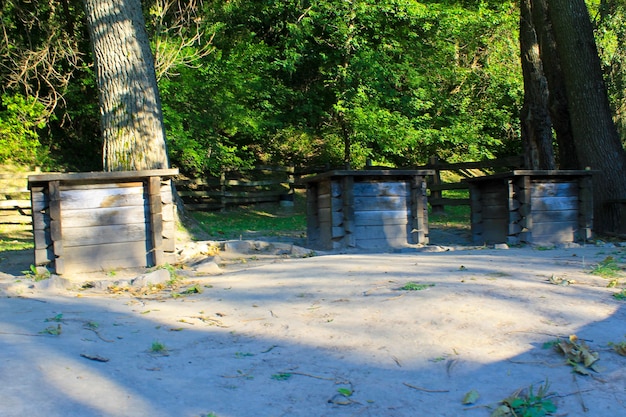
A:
x,y
259,185
15,198
464,170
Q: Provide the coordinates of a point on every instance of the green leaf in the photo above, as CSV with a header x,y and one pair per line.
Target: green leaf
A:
x,y
471,397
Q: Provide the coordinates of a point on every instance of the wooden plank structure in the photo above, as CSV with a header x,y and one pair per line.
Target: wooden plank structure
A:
x,y
373,209
101,221
539,207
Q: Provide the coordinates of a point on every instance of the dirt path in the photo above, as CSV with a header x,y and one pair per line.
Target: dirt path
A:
x,y
325,335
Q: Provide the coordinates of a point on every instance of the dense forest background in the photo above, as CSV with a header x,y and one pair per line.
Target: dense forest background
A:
x,y
289,82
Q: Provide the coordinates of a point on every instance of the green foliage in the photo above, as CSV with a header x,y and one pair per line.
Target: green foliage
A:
x,y
526,403
21,120
607,268
413,286
394,81
300,83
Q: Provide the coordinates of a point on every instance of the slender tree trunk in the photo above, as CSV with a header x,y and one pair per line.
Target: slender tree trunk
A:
x,y
535,118
132,120
597,143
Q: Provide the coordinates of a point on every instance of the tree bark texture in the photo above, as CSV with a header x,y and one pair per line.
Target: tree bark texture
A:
x,y
559,112
536,124
598,145
131,115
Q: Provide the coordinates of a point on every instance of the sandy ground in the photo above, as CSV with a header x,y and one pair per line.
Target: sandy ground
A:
x,y
329,335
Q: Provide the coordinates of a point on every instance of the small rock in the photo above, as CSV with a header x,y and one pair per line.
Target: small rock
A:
x,y
300,252
160,276
208,266
55,282
501,246
239,246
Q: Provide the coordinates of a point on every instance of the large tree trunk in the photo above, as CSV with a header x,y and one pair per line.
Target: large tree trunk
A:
x,y
559,112
132,120
598,145
535,118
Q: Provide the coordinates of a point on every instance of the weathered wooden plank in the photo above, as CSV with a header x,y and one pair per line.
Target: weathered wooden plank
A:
x,y
380,217
554,204
104,216
43,256
389,232
494,232
100,186
102,198
324,187
418,216
371,237
56,232
554,189
97,235
381,189
12,218
495,212
41,220
327,216
337,231
166,192
555,229
42,238
7,204
490,199
555,216
168,212
106,257
323,201
95,177
155,220
348,210
381,203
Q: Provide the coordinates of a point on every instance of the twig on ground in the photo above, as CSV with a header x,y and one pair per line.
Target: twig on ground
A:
x,y
424,389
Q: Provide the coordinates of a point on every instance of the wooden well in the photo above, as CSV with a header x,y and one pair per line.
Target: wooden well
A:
x,y
372,209
103,221
540,207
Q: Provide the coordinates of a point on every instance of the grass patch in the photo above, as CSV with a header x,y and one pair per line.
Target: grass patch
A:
x,y
527,403
452,216
158,347
16,238
414,286
621,296
607,268
261,219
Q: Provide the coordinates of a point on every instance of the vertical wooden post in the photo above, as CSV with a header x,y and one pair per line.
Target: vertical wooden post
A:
x,y
312,215
156,220
525,208
476,216
436,194
419,217
222,191
56,230
585,207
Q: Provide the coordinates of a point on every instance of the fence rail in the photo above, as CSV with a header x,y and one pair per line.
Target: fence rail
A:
x,y
465,170
15,198
259,185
